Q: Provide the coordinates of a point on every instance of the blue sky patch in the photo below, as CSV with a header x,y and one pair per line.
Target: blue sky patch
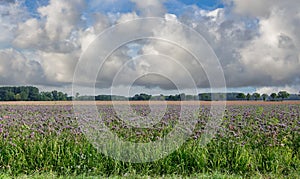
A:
x,y
204,4
32,6
124,6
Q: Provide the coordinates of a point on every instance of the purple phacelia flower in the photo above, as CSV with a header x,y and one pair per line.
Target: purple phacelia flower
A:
x,y
31,135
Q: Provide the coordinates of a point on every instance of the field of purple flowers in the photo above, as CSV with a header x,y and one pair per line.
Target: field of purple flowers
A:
x,y
252,139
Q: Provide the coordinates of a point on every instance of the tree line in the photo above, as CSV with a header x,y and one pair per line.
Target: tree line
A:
x,y
30,93
280,96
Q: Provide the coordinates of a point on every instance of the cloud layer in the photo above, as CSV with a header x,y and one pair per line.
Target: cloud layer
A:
x,y
257,44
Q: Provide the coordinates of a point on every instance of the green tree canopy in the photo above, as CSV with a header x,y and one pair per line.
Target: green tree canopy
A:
x,y
265,96
273,96
283,95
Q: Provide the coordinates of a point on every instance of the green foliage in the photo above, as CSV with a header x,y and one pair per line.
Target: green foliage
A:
x,y
241,96
141,97
283,95
29,93
256,96
264,96
273,96
248,96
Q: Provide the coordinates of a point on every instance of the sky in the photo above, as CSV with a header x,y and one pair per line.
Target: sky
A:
x,y
255,46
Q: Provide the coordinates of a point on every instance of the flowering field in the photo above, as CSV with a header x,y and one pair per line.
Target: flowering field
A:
x,y
252,139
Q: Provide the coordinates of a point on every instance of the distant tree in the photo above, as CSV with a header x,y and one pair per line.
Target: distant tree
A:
x,y
24,95
61,96
176,97
206,97
222,96
241,96
265,96
283,95
29,93
46,96
216,96
170,98
10,96
2,93
182,97
256,96
141,97
144,97
248,96
273,96
33,93
190,97
200,96
103,98
54,95
161,97
18,97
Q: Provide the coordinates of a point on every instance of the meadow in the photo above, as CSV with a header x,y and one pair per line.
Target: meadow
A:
x,y
260,140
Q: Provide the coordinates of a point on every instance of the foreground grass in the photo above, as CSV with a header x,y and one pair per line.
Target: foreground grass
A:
x,y
67,157
51,176
135,176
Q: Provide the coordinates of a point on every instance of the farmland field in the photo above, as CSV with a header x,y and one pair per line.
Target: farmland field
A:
x,y
63,103
255,139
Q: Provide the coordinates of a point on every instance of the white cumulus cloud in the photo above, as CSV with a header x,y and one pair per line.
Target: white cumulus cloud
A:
x,y
257,43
